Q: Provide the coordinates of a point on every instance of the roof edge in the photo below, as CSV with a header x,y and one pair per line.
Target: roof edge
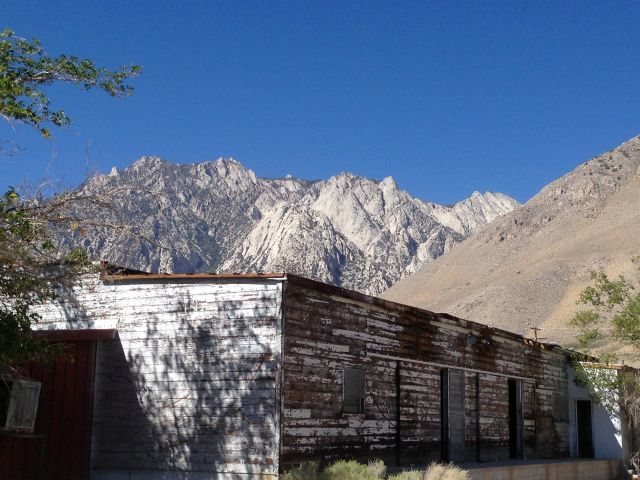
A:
x,y
191,276
400,307
113,273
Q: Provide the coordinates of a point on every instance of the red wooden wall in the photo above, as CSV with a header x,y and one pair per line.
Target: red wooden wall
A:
x,y
63,422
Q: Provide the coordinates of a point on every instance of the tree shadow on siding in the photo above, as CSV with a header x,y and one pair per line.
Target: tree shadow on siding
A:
x,y
205,381
66,308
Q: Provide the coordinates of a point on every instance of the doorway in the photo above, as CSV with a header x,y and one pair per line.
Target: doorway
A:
x,y
515,418
452,402
585,433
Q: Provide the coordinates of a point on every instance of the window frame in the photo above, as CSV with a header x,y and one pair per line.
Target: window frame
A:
x,y
20,404
353,404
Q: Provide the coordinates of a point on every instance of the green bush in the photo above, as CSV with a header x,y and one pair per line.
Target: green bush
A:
x,y
306,471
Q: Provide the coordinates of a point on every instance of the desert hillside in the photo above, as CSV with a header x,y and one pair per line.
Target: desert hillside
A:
x,y
527,268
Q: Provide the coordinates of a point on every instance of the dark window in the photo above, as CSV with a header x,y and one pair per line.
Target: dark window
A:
x,y
353,390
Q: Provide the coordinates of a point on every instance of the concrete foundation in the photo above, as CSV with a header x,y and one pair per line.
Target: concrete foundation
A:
x,y
599,469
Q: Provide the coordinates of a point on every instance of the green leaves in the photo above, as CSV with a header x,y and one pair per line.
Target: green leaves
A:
x,y
585,319
31,272
31,269
626,323
25,69
614,314
605,292
610,300
587,322
20,286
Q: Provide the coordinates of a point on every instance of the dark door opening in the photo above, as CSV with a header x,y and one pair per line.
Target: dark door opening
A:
x,y
515,418
452,402
585,434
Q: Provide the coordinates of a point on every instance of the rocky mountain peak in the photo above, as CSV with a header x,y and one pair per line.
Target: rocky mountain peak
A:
x,y
147,162
388,183
219,216
234,174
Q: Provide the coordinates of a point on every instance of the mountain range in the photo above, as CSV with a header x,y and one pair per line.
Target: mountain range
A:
x,y
218,216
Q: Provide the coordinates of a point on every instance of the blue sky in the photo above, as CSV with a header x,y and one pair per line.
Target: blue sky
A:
x,y
447,97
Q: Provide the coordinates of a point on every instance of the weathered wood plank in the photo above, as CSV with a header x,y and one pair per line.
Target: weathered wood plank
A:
x,y
324,333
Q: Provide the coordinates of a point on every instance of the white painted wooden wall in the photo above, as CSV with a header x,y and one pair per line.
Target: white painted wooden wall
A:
x,y
191,383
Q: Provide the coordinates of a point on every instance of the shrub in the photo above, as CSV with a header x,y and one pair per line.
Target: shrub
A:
x,y
377,468
374,470
437,471
305,471
352,470
408,475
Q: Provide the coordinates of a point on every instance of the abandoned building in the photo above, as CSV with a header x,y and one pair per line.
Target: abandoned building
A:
x,y
243,376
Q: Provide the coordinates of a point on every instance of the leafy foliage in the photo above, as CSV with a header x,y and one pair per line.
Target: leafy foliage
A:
x,y
25,69
32,270
626,323
614,306
612,314
605,292
305,471
19,287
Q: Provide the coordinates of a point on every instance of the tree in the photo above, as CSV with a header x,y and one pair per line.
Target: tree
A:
x,y
25,69
32,269
613,312
611,318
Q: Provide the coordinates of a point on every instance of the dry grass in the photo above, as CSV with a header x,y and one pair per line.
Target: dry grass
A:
x,y
435,471
352,470
374,470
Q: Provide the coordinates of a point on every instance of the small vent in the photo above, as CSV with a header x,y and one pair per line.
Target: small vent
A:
x,y
18,404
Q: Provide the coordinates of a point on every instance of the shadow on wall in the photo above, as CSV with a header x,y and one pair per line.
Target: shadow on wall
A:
x,y
68,310
191,389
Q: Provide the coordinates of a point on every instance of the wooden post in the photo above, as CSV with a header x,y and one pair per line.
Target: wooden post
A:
x,y
478,417
398,406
